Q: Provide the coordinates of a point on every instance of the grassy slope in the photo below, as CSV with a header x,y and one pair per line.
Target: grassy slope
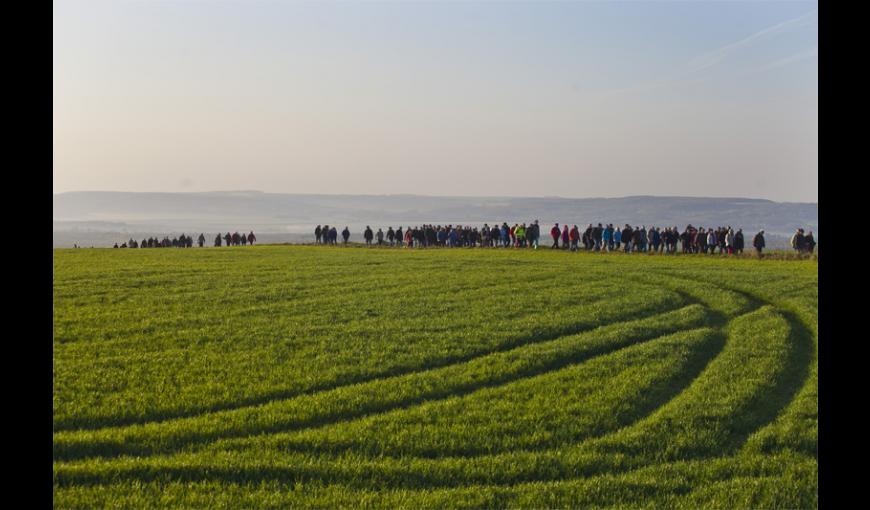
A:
x,y
273,375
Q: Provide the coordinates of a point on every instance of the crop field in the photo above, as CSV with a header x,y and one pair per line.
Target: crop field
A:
x,y
277,376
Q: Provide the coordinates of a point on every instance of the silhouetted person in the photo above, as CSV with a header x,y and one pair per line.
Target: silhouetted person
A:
x,y
758,242
738,241
217,241
627,234
251,238
345,234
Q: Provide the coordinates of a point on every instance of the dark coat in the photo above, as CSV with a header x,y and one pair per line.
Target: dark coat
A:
x,y
758,241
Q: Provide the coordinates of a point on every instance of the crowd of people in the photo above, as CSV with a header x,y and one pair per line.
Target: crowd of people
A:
x,y
721,240
606,238
183,241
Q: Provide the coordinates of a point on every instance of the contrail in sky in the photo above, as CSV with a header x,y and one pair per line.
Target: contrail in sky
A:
x,y
712,58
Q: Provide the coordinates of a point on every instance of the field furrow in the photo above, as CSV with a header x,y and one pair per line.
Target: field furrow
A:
x,y
377,396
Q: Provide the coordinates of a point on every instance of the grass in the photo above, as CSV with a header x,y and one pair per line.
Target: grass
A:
x,y
276,376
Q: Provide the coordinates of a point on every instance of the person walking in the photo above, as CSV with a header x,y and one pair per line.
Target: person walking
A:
x,y
638,237
574,238
627,238
534,234
251,238
711,241
729,241
554,233
758,242
654,239
810,242
738,241
701,237
345,234
520,233
598,236
798,242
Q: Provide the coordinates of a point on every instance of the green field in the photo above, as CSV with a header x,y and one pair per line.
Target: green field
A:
x,y
272,376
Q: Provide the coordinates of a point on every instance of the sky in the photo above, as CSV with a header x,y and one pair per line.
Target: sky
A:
x,y
571,99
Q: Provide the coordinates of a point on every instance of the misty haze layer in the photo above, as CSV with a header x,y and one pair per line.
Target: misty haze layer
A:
x,y
98,217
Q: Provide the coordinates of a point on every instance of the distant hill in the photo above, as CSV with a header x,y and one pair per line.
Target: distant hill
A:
x,y
78,215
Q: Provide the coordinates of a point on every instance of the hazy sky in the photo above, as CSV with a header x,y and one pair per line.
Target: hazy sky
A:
x,y
575,99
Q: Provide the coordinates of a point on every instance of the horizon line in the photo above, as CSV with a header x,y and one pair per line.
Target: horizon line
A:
x,y
428,196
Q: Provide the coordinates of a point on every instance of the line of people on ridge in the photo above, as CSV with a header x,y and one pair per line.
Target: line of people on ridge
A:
x,y
593,238
184,241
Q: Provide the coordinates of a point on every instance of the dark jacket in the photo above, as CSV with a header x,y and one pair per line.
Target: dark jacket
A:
x,y
758,241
